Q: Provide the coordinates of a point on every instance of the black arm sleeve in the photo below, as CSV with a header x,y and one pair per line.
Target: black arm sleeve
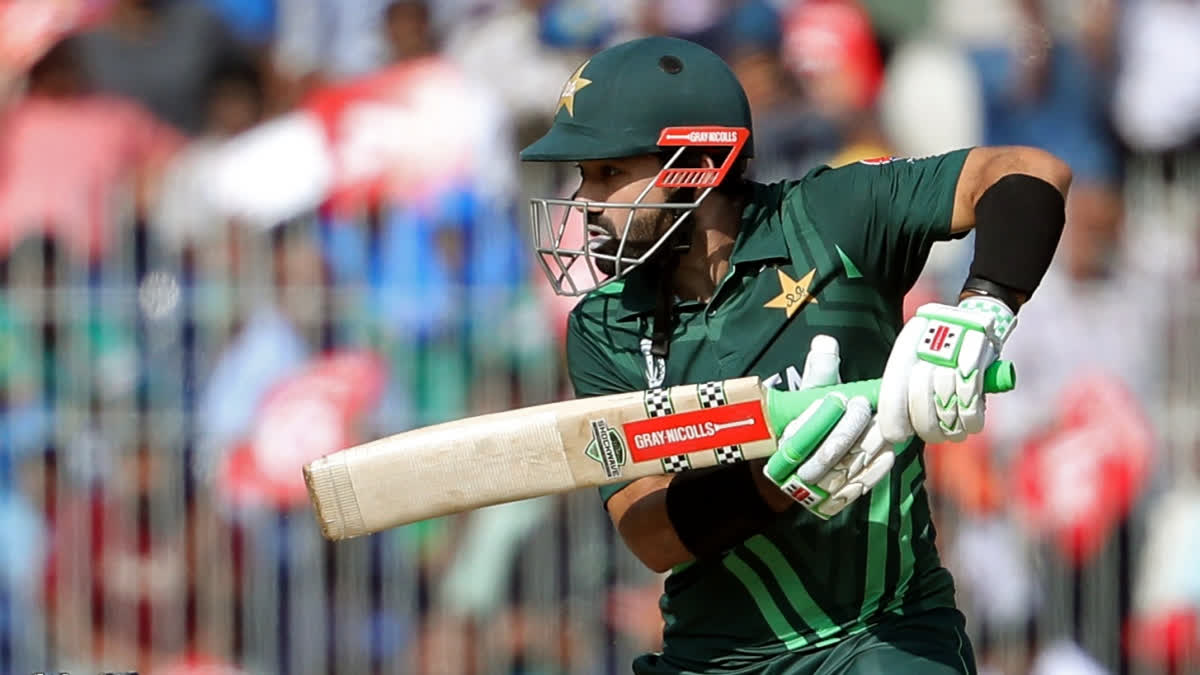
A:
x,y
1018,223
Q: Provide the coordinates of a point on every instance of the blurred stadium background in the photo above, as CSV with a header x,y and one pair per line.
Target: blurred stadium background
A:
x,y
238,234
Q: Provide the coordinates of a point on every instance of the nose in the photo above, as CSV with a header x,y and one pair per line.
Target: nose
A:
x,y
590,213
581,195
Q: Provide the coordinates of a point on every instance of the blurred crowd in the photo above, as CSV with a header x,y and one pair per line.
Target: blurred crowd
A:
x,y
238,234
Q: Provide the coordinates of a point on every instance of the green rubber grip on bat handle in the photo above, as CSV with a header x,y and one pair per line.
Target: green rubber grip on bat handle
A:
x,y
785,406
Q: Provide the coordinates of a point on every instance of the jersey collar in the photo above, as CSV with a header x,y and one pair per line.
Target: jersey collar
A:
x,y
760,235
760,238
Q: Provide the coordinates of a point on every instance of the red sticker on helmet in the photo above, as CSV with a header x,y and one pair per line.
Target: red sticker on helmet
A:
x,y
707,429
700,136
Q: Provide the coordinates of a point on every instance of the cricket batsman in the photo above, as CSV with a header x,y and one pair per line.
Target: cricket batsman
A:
x,y
688,273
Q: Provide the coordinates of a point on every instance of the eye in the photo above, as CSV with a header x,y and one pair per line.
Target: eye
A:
x,y
609,171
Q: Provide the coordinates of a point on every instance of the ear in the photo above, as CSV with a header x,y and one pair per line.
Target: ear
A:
x,y
707,162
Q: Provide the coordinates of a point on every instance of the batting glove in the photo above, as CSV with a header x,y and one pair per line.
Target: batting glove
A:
x,y
933,383
833,453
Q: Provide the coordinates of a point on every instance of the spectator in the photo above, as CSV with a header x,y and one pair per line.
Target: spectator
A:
x,y
77,365
123,591
1045,71
409,28
25,429
160,54
792,136
183,216
274,333
441,262
273,339
329,40
252,22
830,46
529,69
71,161
700,21
1157,102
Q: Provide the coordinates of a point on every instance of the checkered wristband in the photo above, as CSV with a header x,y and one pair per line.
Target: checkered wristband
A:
x,y
1004,321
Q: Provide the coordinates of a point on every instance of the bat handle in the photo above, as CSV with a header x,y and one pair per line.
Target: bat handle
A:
x,y
785,406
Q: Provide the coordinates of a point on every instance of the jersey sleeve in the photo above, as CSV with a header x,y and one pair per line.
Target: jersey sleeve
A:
x,y
592,373
885,215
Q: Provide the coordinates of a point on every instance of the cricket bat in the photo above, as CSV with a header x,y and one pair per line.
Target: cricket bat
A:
x,y
556,447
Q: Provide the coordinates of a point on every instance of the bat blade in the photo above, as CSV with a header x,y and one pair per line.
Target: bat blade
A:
x,y
557,447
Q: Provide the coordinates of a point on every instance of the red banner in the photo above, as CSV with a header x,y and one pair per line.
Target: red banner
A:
x,y
404,134
309,415
1076,482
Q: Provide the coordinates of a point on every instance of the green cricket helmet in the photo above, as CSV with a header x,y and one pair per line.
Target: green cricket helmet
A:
x,y
655,95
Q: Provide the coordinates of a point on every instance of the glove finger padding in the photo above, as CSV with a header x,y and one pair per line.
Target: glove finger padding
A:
x,y
867,449
943,396
822,453
822,365
972,402
844,436
860,483
922,413
894,420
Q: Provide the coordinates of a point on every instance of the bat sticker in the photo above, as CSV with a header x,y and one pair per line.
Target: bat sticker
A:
x,y
607,447
705,429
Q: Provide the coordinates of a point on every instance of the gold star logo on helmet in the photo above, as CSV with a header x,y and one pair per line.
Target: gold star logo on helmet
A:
x,y
572,87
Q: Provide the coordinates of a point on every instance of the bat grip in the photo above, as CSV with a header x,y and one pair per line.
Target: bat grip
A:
x,y
785,406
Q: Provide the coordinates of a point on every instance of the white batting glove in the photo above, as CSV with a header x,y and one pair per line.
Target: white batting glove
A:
x,y
933,383
833,453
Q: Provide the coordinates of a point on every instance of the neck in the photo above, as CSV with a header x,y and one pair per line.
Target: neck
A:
x,y
706,263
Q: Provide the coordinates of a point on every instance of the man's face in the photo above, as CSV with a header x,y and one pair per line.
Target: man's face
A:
x,y
623,180
408,30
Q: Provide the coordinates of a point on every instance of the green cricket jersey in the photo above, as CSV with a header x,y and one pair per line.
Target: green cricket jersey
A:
x,y
834,253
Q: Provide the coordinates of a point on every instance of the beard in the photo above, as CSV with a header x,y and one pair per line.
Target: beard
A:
x,y
645,230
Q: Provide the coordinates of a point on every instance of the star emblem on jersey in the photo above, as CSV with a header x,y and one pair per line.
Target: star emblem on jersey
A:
x,y
567,97
794,293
